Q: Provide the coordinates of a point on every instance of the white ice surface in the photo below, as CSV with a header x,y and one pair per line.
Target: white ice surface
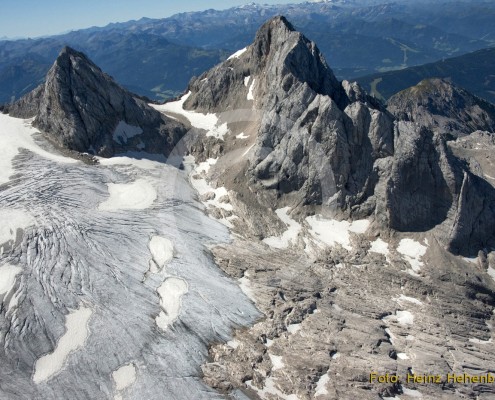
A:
x,y
8,274
289,236
250,95
137,195
76,326
330,231
162,250
277,361
412,252
321,385
124,377
208,122
17,134
238,53
170,292
124,131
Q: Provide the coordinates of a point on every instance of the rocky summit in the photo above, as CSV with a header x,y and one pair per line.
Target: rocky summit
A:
x,y
348,251
329,148
83,109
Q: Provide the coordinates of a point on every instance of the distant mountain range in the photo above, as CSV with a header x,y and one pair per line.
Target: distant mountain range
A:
x,y
157,57
473,71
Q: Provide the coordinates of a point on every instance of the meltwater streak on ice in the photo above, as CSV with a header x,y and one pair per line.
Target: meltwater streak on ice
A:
x,y
79,254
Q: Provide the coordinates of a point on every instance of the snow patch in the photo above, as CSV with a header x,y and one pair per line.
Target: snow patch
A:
x,y
238,53
270,388
412,252
276,362
124,131
403,356
404,317
479,341
491,272
289,236
234,344
137,195
250,95
209,122
246,80
242,136
293,328
409,299
321,389
379,246
8,273
245,285
124,377
162,251
330,231
389,333
76,325
204,167
170,292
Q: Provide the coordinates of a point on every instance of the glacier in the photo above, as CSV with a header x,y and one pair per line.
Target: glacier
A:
x,y
82,253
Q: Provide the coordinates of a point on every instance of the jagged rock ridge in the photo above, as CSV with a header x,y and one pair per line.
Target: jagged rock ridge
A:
x,y
328,147
442,106
83,109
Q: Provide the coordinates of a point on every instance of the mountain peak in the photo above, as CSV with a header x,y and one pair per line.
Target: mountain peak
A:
x,y
82,108
279,57
441,106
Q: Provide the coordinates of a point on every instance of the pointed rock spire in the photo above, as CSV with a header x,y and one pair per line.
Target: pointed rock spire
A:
x,y
81,108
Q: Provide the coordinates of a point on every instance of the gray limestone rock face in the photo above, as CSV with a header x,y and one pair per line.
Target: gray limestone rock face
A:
x,y
317,139
83,109
429,188
323,145
443,107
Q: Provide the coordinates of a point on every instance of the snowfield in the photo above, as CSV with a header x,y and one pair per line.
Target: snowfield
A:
x,y
331,232
289,236
208,122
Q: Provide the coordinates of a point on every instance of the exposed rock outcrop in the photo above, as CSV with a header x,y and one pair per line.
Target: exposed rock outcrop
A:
x,y
443,107
324,146
83,109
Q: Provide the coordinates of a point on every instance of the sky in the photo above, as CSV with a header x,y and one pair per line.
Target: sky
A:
x,y
32,18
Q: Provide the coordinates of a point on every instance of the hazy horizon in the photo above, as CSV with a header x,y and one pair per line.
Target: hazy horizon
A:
x,y
30,19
